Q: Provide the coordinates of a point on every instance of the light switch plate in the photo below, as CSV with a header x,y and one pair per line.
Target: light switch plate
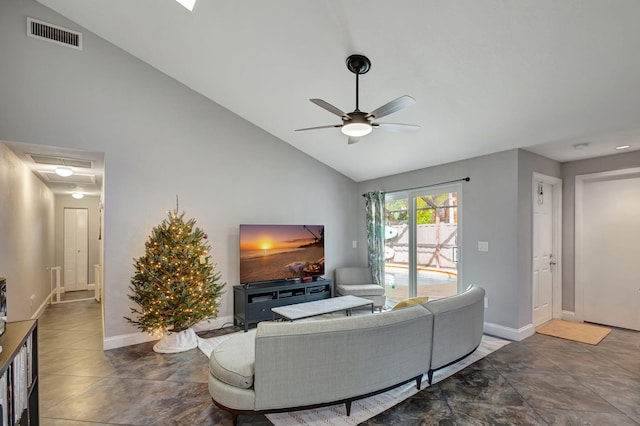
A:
x,y
483,245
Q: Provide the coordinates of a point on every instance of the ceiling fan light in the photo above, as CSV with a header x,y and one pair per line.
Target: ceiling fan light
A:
x,y
188,4
355,130
64,171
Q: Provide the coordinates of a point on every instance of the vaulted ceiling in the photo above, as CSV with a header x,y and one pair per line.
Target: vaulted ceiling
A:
x,y
487,75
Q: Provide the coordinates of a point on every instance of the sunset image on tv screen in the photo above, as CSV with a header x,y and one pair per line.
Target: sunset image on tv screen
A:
x,y
278,252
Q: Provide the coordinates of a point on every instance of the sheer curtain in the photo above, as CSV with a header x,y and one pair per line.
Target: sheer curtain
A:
x,y
375,234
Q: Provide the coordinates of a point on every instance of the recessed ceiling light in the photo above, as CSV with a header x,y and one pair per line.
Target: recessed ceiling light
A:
x,y
64,171
582,145
78,195
188,4
623,146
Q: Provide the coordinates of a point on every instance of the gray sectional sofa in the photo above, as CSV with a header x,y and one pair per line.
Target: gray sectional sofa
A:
x,y
286,366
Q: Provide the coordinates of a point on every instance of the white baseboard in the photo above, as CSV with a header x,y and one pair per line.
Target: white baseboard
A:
x,y
137,338
89,287
126,340
42,307
569,316
508,332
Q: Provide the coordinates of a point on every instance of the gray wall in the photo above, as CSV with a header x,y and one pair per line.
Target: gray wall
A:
x,y
496,207
26,236
528,163
160,140
488,212
92,204
570,170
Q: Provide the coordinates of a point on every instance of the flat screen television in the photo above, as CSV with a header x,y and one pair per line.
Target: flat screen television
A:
x,y
280,252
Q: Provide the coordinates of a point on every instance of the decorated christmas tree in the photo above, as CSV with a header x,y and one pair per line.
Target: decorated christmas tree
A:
x,y
175,283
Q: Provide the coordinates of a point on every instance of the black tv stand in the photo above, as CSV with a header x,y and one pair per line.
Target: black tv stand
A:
x,y
252,303
267,283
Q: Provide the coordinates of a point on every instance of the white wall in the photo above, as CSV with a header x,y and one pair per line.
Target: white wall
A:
x,y
92,204
160,140
26,236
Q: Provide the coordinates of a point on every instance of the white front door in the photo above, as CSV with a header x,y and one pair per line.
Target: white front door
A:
x,y
543,256
76,242
609,251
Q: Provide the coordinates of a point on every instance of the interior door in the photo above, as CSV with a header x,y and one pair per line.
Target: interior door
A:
x,y
610,229
542,253
76,248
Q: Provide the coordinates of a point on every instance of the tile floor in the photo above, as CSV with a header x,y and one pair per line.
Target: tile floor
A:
x,y
539,381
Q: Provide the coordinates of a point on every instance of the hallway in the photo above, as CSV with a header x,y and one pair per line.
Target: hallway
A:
x,y
80,384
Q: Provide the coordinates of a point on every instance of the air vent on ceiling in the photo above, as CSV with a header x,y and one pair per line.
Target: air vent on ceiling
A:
x,y
54,33
61,161
79,178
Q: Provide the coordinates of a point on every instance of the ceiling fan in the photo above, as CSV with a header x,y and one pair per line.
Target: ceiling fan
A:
x,y
358,123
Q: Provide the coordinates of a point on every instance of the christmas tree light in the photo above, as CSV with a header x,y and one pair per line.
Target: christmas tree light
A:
x,y
175,283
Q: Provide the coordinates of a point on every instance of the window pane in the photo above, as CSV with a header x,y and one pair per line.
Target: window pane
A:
x,y
436,242
396,279
421,245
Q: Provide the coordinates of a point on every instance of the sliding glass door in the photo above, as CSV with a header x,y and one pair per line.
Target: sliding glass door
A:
x,y
422,236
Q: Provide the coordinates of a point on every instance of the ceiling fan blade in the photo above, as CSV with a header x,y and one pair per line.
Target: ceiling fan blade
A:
x,y
326,105
391,107
319,127
397,127
353,140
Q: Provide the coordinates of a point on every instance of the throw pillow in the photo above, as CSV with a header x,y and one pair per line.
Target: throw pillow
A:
x,y
410,301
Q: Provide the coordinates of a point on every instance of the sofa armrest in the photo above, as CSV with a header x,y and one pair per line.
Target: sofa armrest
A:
x,y
458,322
233,361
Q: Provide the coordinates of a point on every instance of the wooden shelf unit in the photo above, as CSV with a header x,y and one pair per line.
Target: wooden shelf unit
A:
x,y
253,303
19,373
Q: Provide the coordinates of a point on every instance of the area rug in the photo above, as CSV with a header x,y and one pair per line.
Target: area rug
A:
x,y
576,331
363,409
208,345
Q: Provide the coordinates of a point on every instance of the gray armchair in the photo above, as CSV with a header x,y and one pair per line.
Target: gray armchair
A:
x,y
358,281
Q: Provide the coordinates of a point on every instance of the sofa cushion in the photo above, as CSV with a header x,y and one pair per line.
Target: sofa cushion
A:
x,y
360,289
233,361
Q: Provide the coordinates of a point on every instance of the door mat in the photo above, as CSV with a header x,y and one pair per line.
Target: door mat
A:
x,y
579,332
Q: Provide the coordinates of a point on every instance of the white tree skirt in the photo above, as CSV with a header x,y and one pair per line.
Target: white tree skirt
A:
x,y
177,342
